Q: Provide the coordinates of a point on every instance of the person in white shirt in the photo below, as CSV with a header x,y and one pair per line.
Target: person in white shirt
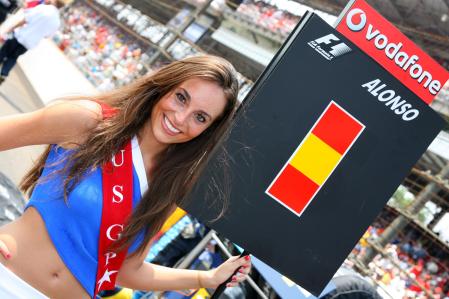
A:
x,y
37,23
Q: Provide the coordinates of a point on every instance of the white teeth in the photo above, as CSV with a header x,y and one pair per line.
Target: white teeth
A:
x,y
170,126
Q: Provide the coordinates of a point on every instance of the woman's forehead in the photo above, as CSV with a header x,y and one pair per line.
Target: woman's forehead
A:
x,y
199,83
205,95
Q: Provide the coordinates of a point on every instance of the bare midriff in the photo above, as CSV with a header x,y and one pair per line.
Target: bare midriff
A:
x,y
35,259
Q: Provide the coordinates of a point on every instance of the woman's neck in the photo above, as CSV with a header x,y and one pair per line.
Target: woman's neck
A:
x,y
149,147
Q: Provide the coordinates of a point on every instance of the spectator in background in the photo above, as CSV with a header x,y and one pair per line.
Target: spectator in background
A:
x,y
351,287
37,23
6,7
191,235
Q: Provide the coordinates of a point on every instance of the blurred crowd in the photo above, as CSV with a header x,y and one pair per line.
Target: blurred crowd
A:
x,y
406,268
268,16
108,57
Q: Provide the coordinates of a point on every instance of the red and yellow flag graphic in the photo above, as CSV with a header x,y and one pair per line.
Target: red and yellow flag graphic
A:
x,y
316,157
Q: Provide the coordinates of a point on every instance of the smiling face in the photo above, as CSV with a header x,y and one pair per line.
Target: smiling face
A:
x,y
186,111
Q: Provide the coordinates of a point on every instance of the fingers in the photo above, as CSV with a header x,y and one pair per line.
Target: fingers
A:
x,y
245,262
4,250
242,271
234,258
236,279
240,261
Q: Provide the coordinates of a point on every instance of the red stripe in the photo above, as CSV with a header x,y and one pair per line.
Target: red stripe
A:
x,y
107,110
394,36
293,189
337,128
113,214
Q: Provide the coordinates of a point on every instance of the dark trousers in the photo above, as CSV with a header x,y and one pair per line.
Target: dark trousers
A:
x,y
9,53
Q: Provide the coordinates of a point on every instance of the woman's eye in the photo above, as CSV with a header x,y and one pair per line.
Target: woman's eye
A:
x,y
200,118
181,97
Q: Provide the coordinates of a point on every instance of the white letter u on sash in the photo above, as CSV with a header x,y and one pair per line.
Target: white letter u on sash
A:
x,y
122,159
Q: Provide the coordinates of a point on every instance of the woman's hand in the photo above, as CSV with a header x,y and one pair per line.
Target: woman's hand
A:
x,y
4,251
219,275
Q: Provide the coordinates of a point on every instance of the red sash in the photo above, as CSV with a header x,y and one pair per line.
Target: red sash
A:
x,y
117,205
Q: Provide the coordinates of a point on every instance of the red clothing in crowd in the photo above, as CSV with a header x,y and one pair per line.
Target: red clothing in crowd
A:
x,y
33,3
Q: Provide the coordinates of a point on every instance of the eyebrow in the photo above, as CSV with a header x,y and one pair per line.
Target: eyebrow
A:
x,y
186,93
189,98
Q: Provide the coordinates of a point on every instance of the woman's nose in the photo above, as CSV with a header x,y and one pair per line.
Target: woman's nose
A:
x,y
180,118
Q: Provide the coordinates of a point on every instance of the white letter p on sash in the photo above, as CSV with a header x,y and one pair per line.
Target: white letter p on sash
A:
x,y
109,255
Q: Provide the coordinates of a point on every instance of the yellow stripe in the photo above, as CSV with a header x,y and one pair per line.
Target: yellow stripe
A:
x,y
201,294
174,217
315,159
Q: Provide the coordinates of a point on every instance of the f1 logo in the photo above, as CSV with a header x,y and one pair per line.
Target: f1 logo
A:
x,y
329,46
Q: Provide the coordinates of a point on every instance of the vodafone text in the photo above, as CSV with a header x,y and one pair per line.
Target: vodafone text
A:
x,y
391,100
356,21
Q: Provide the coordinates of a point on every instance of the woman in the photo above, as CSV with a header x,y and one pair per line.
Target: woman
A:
x,y
173,118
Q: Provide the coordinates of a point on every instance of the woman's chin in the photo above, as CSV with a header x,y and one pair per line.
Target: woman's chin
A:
x,y
164,139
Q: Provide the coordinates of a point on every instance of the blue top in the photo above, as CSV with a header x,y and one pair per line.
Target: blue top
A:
x,y
74,228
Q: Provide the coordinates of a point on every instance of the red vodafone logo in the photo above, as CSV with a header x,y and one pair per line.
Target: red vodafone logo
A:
x,y
393,50
356,19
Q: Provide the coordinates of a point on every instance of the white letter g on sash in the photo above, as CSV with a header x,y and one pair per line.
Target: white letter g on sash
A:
x,y
117,235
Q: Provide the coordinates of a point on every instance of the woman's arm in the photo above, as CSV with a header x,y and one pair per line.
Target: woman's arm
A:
x,y
137,274
63,121
153,277
4,250
16,21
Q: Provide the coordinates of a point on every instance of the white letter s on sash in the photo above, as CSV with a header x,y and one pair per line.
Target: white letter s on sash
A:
x,y
117,193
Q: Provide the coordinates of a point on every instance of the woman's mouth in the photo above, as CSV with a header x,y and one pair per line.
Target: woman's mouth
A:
x,y
169,127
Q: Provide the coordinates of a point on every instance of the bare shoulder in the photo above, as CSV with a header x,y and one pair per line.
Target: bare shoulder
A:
x,y
75,118
85,113
72,120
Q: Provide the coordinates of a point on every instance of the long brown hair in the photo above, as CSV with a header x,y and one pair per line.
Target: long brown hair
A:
x,y
177,168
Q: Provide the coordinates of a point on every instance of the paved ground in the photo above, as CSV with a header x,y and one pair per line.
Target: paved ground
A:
x,y
16,96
